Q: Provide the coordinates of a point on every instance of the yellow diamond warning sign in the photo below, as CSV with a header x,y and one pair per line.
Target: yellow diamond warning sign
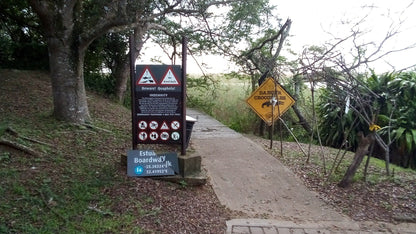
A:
x,y
270,101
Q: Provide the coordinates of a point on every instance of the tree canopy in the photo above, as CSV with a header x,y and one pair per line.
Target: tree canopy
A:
x,y
22,45
69,27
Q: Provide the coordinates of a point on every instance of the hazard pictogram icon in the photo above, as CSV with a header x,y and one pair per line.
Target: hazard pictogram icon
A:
x,y
170,78
164,136
175,125
142,125
154,125
146,78
143,136
175,136
153,136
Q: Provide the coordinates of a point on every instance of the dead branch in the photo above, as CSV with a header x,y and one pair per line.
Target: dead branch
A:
x,y
293,135
104,213
19,147
14,133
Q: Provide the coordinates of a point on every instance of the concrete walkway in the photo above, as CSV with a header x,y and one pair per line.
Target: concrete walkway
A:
x,y
246,178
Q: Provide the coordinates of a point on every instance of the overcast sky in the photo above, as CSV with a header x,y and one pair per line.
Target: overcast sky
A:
x,y
312,20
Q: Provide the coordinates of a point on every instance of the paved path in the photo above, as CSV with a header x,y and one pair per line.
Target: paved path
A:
x,y
246,178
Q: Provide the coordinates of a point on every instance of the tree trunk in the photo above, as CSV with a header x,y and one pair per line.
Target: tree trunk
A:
x,y
362,150
66,58
122,77
302,120
68,89
123,67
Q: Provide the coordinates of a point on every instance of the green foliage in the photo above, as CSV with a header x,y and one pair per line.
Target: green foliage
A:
x,y
57,192
235,114
296,129
335,124
6,48
101,83
202,93
394,104
108,52
21,43
403,92
105,54
224,99
338,126
245,17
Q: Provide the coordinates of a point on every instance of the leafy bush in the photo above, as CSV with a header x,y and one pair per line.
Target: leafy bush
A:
x,y
101,83
27,56
403,124
395,105
202,93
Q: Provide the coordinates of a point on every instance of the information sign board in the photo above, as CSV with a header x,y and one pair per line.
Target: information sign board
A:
x,y
159,105
270,98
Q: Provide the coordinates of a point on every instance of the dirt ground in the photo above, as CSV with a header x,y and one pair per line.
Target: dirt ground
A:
x,y
387,199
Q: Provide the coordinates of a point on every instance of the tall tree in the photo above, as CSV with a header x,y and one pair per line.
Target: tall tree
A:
x,y
211,31
70,27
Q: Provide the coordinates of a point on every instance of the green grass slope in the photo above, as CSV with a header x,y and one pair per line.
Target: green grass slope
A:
x,y
62,178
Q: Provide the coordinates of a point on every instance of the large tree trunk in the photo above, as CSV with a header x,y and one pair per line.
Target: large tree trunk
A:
x,y
123,67
362,150
66,58
68,89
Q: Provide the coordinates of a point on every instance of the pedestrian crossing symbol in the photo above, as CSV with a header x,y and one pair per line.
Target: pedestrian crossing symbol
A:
x,y
169,78
146,78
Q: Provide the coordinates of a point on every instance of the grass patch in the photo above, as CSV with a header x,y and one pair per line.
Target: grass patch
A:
x,y
335,168
40,195
224,99
61,188
72,180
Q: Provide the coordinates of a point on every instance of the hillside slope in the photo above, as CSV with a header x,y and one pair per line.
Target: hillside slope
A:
x,y
62,177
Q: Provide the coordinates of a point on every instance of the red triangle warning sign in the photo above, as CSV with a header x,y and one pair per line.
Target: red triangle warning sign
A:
x,y
146,78
170,78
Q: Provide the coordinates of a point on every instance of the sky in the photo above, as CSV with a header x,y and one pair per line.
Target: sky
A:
x,y
312,20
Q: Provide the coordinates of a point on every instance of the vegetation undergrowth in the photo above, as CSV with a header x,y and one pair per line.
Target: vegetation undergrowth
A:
x,y
224,99
60,187
374,196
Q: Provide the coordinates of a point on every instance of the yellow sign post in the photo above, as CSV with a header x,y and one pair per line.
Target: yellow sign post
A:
x,y
270,101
